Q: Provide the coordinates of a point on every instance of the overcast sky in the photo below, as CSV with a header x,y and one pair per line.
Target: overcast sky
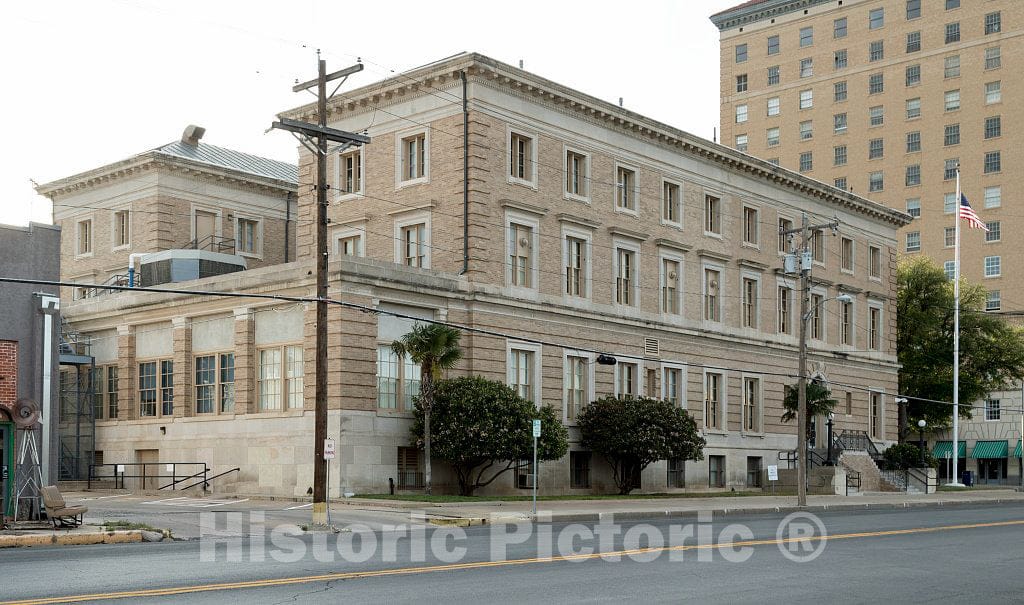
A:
x,y
89,83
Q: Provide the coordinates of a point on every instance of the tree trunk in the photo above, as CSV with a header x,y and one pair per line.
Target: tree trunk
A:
x,y
427,393
902,433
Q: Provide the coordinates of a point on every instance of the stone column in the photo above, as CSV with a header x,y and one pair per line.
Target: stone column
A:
x,y
127,373
245,361
181,336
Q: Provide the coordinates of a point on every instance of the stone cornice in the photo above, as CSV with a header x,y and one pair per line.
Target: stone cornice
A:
x,y
523,207
749,12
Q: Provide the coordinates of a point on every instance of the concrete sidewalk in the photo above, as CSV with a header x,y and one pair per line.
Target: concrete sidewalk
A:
x,y
473,513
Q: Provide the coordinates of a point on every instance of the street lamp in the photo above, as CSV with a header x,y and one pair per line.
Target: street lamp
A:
x,y
801,413
831,418
920,443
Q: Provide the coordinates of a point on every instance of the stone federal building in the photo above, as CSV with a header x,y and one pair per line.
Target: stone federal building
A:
x,y
528,209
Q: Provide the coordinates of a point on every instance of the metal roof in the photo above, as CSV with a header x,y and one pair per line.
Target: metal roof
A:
x,y
233,160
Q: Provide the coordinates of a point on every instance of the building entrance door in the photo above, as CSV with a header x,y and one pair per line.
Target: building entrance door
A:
x,y
148,473
206,228
6,468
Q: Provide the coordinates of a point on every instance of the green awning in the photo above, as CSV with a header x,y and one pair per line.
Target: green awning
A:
x,y
1016,454
990,449
944,449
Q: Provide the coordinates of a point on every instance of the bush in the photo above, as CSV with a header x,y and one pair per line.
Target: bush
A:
x,y
907,455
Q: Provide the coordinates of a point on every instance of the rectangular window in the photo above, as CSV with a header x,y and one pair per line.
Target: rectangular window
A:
x,y
520,254
751,228
521,160
913,176
626,379
752,404
875,427
741,114
215,383
806,130
993,301
876,181
716,471
269,381
993,197
818,246
625,183
670,203
993,266
876,84
672,383
806,99
876,115
122,228
741,83
992,409
846,323
952,135
839,123
849,403
784,225
414,157
876,18
741,53
993,127
839,155
949,205
913,108
914,207
521,373
409,474
913,141
839,91
785,310
993,23
949,236
951,66
625,276
874,262
352,171
806,36
575,266
839,59
750,303
806,161
951,4
676,477
112,392
993,58
949,269
712,214
806,67
754,471
670,295
577,369
993,234
952,100
525,475
839,28
874,328
773,45
913,75
993,162
993,92
147,389
350,246
576,170
398,380
772,136
414,249
85,237
773,75
248,236
949,172
280,378
847,254
913,9
816,325
579,470
166,388
712,301
713,384
876,149
913,42
773,106
952,32
876,51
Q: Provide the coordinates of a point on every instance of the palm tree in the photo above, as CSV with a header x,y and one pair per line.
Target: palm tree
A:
x,y
819,403
435,347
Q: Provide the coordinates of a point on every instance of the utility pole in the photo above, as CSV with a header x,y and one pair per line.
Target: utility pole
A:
x,y
321,134
803,263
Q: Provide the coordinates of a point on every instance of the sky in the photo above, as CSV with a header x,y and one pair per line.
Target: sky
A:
x,y
92,82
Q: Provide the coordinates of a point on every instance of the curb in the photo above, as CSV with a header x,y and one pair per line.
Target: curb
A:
x,y
69,539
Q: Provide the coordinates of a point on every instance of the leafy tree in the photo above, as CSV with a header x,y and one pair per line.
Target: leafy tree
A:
x,y
907,455
435,348
631,433
991,350
819,403
483,428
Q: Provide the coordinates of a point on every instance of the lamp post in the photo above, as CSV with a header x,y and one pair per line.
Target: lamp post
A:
x,y
831,418
920,443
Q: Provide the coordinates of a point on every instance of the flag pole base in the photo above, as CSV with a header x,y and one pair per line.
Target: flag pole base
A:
x,y
954,484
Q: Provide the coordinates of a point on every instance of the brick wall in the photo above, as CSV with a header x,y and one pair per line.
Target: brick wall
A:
x,y
8,373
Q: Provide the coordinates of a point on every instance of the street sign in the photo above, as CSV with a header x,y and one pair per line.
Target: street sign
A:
x,y
120,468
329,451
536,428
773,472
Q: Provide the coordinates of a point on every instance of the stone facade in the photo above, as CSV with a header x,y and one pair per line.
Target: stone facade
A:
x,y
406,228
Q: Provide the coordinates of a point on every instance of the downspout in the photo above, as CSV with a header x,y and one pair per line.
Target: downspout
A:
x,y
49,305
287,220
131,267
465,175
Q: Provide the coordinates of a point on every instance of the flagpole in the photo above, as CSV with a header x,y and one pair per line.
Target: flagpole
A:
x,y
956,340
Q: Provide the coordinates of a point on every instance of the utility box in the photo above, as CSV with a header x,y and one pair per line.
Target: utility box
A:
x,y
172,266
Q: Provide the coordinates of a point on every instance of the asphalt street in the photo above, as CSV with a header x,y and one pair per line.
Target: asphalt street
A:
x,y
927,554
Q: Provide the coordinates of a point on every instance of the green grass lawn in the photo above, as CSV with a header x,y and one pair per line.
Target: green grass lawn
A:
x,y
442,498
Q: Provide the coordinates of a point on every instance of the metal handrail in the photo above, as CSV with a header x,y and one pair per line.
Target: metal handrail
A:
x,y
206,481
176,481
214,243
853,479
119,477
924,478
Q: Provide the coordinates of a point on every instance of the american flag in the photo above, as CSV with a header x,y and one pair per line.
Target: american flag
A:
x,y
968,214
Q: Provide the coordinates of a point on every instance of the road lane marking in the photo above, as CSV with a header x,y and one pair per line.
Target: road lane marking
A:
x,y
162,592
306,505
194,502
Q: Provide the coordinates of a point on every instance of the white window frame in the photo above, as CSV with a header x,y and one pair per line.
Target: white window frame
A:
x,y
589,382
587,237
744,376
822,311
677,258
585,185
537,351
78,236
998,265
879,306
881,413
881,262
400,137
339,178
853,255
635,210
704,213
532,171
114,246
526,220
678,203
639,381
409,219
257,252
683,373
756,278
344,233
634,247
782,282
853,323
723,400
705,266
756,244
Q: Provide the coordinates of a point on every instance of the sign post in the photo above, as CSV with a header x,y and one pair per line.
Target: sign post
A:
x,y
536,434
773,475
329,453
